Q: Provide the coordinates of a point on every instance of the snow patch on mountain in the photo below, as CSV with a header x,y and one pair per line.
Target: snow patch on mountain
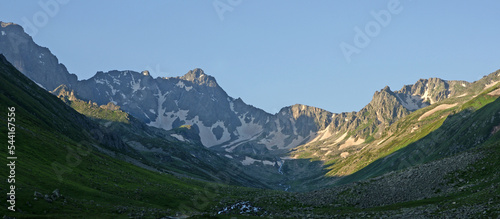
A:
x,y
179,137
116,81
231,105
340,138
490,84
277,139
182,85
351,142
100,81
412,102
135,85
249,161
438,108
248,130
427,96
208,139
163,119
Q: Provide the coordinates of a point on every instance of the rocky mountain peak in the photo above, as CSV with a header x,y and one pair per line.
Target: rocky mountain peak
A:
x,y
387,88
387,106
4,24
198,76
385,92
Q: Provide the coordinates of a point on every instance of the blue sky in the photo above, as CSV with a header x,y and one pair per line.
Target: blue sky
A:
x,y
273,53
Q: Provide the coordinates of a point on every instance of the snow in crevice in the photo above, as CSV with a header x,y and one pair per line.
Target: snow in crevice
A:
x,y
231,104
230,147
179,137
248,130
113,90
300,139
341,138
162,120
249,161
277,140
116,81
182,85
135,85
3,33
296,142
411,102
491,84
426,95
100,81
146,115
322,134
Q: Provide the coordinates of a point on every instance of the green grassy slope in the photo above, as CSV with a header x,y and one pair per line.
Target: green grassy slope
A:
x,y
443,134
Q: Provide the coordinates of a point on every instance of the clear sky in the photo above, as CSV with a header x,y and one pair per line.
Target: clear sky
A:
x,y
329,54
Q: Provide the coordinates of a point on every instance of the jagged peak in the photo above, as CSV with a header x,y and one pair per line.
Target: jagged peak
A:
x,y
198,76
297,110
195,73
387,88
63,91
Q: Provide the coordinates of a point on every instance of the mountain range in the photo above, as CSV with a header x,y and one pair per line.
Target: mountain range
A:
x,y
189,127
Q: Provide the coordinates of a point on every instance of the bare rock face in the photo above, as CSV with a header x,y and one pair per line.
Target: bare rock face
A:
x,y
34,61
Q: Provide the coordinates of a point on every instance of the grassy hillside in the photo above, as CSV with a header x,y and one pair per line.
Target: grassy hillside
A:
x,y
437,131
446,133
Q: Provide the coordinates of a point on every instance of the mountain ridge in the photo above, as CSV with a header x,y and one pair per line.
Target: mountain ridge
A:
x,y
229,126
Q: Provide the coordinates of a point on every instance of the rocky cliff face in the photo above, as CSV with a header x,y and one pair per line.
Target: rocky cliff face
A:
x,y
429,91
36,62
